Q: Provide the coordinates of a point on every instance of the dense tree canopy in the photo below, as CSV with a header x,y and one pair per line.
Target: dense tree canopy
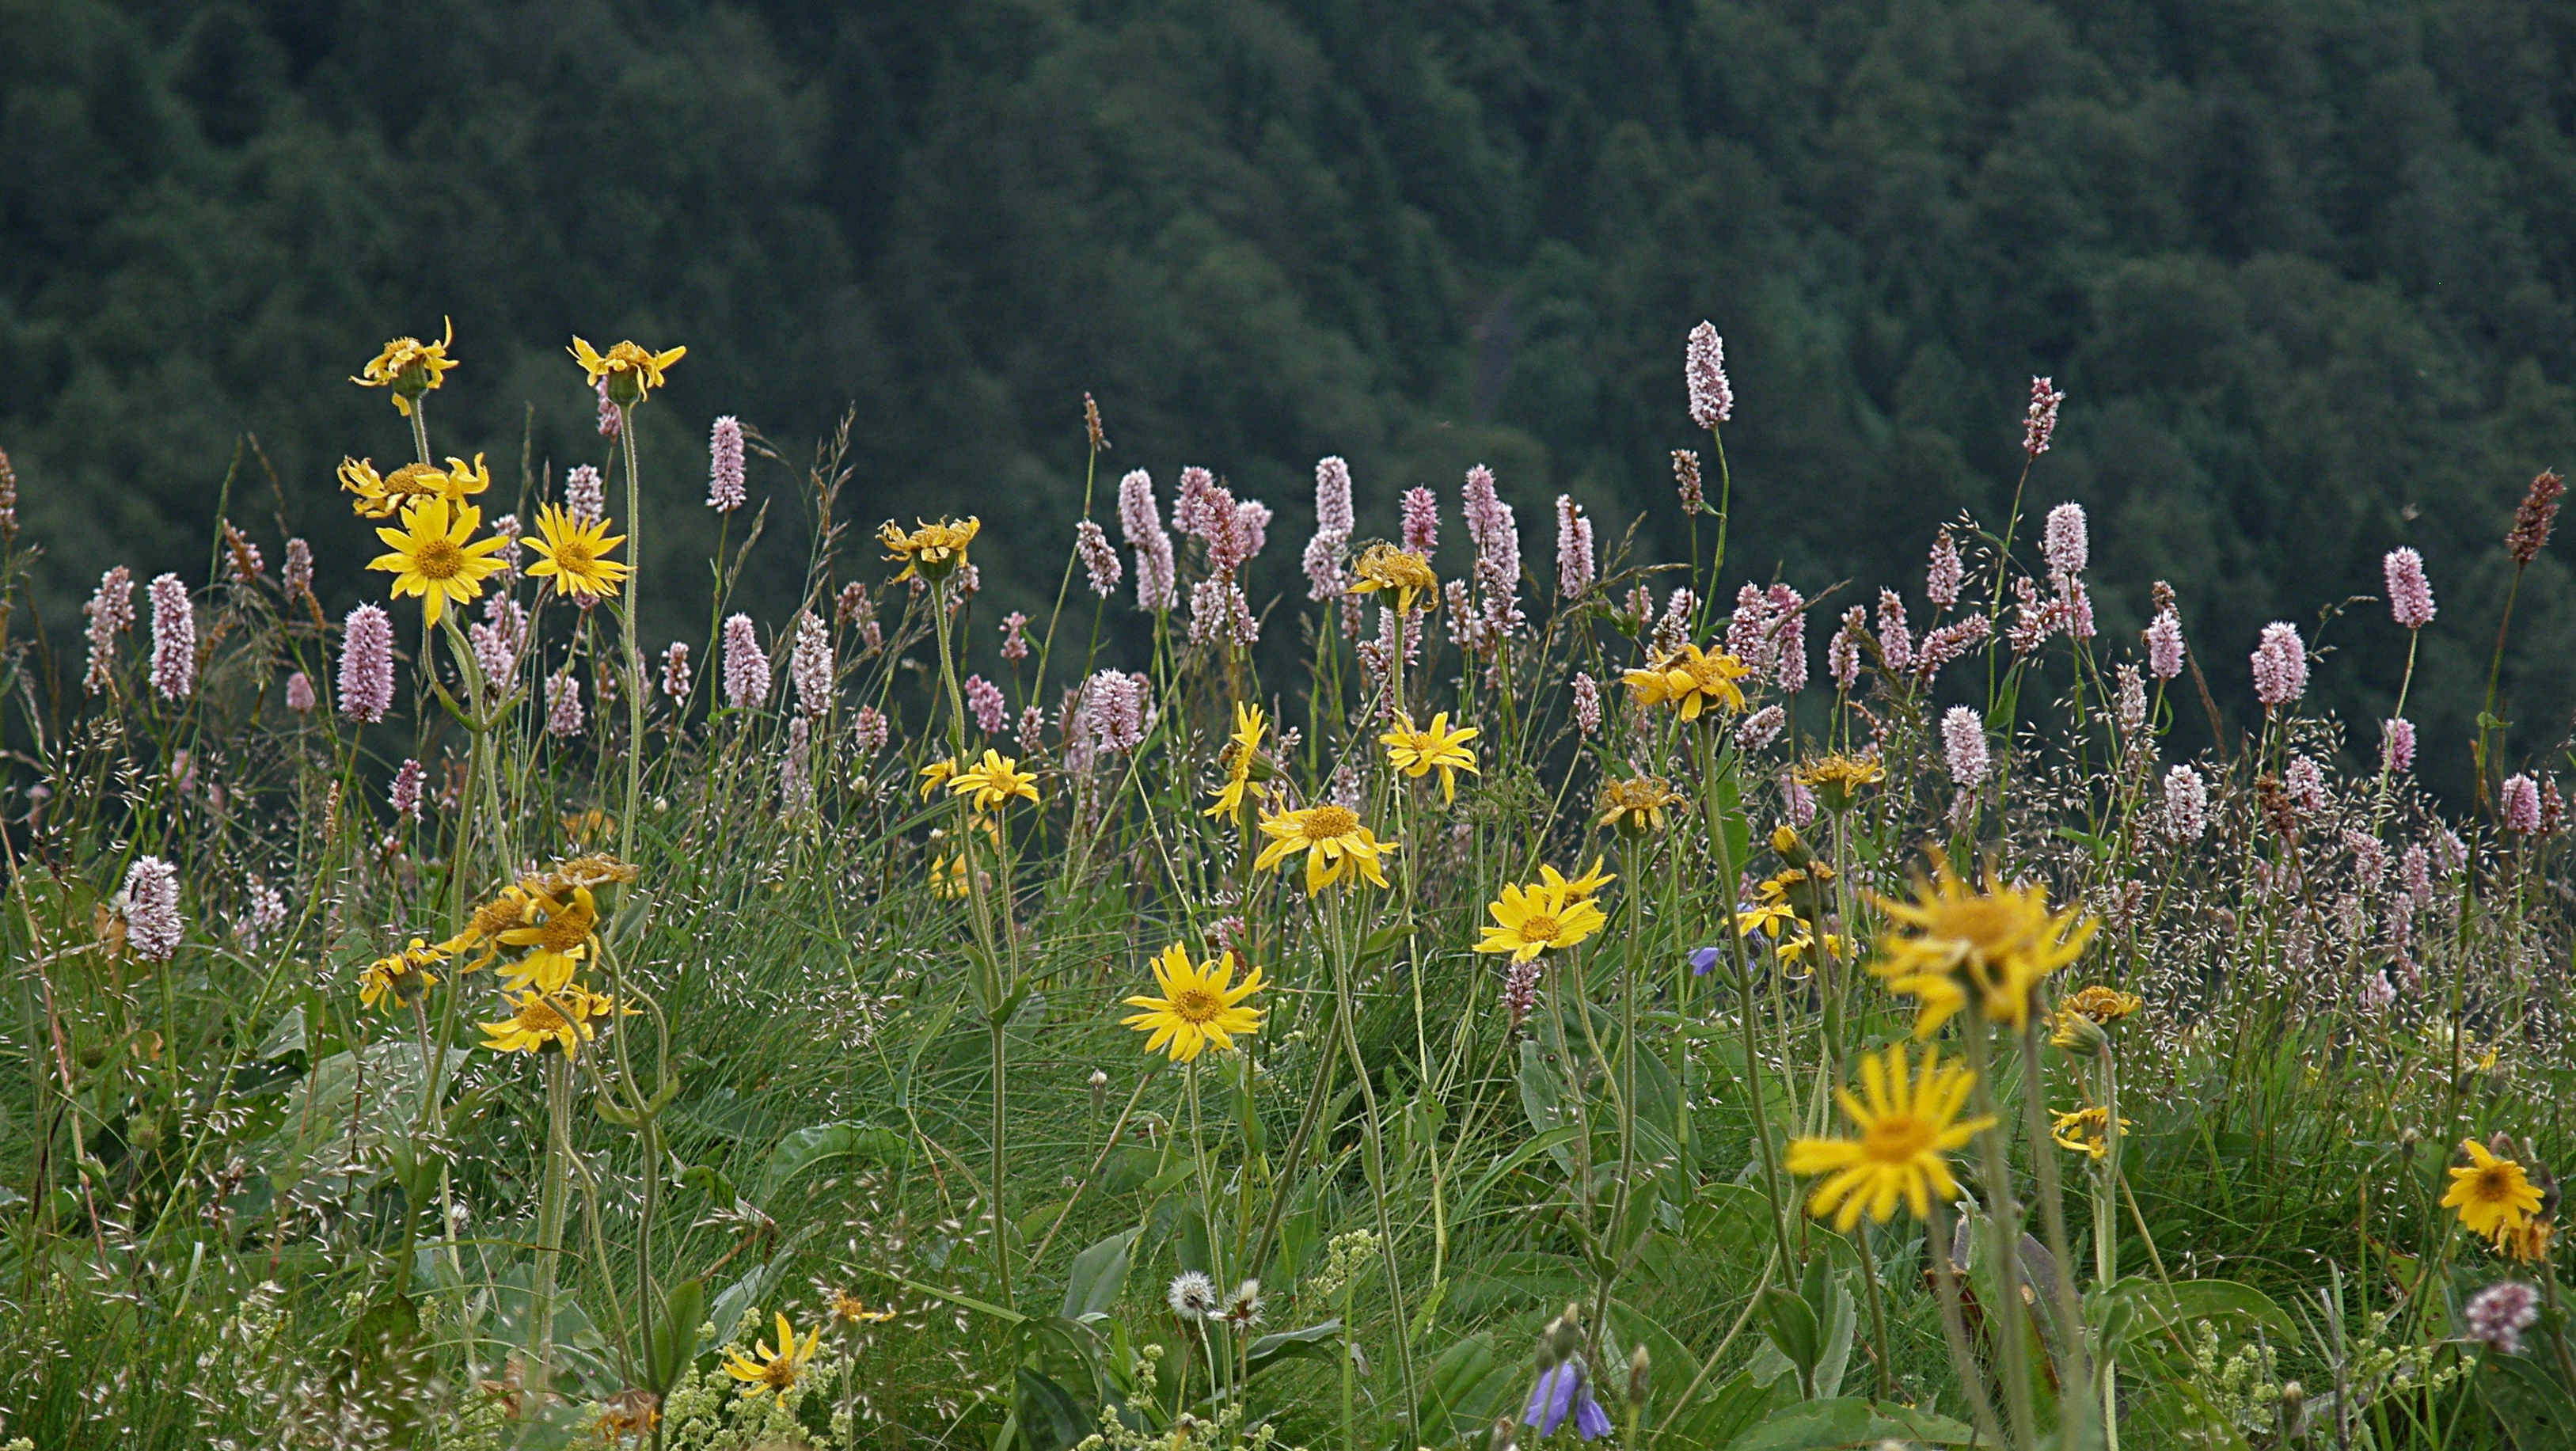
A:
x,y
2306,270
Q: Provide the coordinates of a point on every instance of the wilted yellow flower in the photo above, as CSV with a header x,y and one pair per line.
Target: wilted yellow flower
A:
x,y
1765,918
399,981
380,497
409,367
1242,758
934,776
510,907
576,554
775,1370
1435,747
1838,778
1201,1004
2104,1005
2526,1243
1335,843
1908,1123
2492,1194
2085,1131
1385,567
1586,885
1636,806
1998,944
1794,948
932,550
849,1309
1691,681
535,1026
435,555
631,371
993,781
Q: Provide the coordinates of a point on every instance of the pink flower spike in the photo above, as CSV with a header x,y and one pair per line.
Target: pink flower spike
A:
x,y
2410,594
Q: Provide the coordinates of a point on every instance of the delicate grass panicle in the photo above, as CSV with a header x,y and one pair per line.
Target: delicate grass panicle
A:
x,y
1196,1027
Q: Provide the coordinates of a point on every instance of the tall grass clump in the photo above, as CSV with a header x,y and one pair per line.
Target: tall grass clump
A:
x,y
1426,997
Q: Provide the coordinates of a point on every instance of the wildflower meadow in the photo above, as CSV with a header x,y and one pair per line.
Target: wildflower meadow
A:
x,y
1491,985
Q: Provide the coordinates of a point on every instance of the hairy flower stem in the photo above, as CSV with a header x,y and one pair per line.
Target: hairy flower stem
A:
x,y
630,615
1745,1006
2495,672
2074,1409
1371,1142
2003,1214
1954,1327
550,1216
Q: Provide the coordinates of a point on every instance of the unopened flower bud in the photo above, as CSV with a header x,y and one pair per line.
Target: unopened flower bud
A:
x,y
1640,1374
1565,1335
1099,1081
2078,1034
1506,1436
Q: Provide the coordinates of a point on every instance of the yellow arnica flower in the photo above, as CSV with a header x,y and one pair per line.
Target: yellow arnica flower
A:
x,y
631,370
1998,944
1794,949
1691,681
1587,885
558,938
1385,567
536,1027
1908,1123
1635,807
509,908
399,980
1335,844
1242,757
431,556
1837,779
1201,1004
775,1370
1766,918
409,367
931,550
1535,919
2084,1131
2525,1243
993,781
2491,1194
576,554
2104,1005
934,776
849,1309
381,497
1417,753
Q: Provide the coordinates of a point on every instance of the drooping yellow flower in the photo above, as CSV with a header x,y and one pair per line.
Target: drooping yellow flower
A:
x,y
559,936
775,1370
934,776
1907,1124
631,370
2492,1193
436,556
1589,884
1435,747
994,780
1242,759
2085,1131
947,869
1794,948
1998,944
849,1309
409,367
576,554
510,907
399,981
931,550
1201,1004
535,1026
1691,681
380,497
2104,1005
2526,1243
1335,843
1635,807
1766,918
1539,918
1385,567
1837,779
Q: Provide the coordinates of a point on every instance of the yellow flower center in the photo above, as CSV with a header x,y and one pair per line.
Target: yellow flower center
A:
x,y
494,917
575,556
1898,1138
2493,1183
1197,1004
414,479
1329,823
779,1374
538,1018
564,931
1539,927
438,558
1980,928
1708,673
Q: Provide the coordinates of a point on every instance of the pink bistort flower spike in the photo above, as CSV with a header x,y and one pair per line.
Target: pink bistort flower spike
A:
x,y
1963,744
2410,594
367,664
725,492
151,905
1712,397
746,665
174,639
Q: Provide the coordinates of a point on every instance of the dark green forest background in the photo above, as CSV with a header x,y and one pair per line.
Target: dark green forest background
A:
x,y
2305,268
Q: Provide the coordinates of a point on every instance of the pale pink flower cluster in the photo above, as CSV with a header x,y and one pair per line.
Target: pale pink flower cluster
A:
x,y
725,491
1015,636
1421,509
506,529
746,665
796,768
2039,421
2280,666
2164,645
1099,558
2304,781
855,607
563,705
1686,482
1587,704
1674,630
174,639
2410,594
1575,565
2064,541
404,796
611,422
1520,991
2498,1314
1768,632
676,677
869,730
1895,640
297,575
1946,644
1761,728
984,701
585,494
264,911
2132,698
1842,652
1334,521
1712,398
2397,743
1497,570
500,637
1945,574
150,902
1800,801
1115,711
2186,804
809,665
111,613
1157,577
1963,744
299,693
2518,804
367,664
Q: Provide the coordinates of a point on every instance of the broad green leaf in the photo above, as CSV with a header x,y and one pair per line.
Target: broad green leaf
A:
x,y
1836,1424
1049,1418
1098,1276
802,1149
1319,1341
